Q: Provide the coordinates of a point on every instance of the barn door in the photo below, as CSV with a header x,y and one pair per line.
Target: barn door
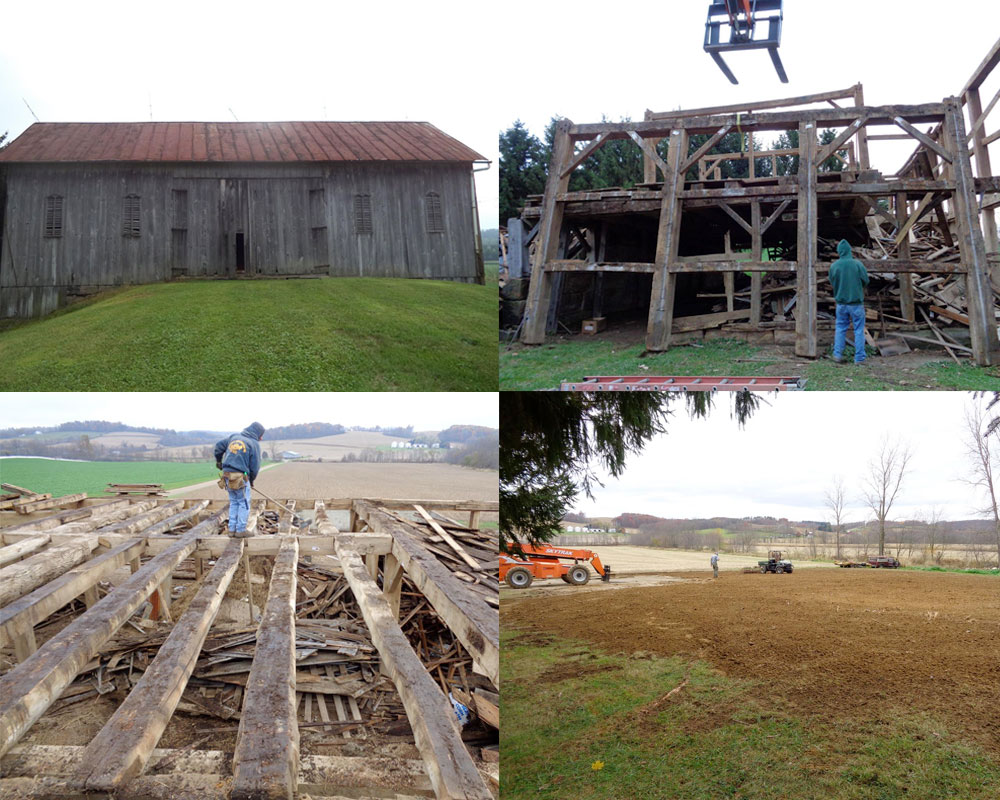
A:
x,y
236,227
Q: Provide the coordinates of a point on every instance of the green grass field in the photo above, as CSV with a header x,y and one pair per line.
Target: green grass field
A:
x,y
545,366
335,334
70,477
581,723
492,273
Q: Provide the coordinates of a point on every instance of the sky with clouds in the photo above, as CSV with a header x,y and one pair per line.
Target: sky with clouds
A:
x,y
225,411
786,457
112,61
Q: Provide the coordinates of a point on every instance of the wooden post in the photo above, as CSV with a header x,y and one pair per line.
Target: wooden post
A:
x,y
246,571
859,101
661,303
432,719
906,307
392,582
729,280
979,292
805,268
123,747
266,758
33,685
982,154
371,564
755,255
540,288
474,520
648,165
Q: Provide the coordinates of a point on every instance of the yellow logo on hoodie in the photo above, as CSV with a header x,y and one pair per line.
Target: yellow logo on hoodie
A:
x,y
237,447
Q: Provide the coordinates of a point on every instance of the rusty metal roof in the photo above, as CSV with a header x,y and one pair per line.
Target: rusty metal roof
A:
x,y
235,142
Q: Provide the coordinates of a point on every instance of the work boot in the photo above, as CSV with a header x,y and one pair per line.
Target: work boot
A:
x,y
242,535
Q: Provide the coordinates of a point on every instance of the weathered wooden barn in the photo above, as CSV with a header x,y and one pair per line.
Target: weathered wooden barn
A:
x,y
87,206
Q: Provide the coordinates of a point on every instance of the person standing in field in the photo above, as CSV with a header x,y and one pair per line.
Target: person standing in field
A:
x,y
715,565
849,278
238,456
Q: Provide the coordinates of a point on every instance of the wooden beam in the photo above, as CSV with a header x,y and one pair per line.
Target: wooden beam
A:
x,y
540,286
123,747
774,215
476,625
25,547
33,685
907,310
392,582
141,522
17,579
978,290
53,502
26,612
661,304
923,138
742,222
713,140
904,227
431,716
265,762
583,155
62,517
757,106
756,245
838,142
173,521
806,278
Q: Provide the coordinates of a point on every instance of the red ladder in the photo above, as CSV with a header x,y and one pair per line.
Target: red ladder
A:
x,y
674,383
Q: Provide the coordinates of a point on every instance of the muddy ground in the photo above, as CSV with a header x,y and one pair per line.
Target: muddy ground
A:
x,y
837,643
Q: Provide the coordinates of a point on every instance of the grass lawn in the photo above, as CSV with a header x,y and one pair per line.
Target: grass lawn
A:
x,y
70,477
571,358
333,334
492,273
580,723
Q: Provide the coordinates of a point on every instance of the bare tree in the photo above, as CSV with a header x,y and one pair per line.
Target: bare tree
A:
x,y
983,451
885,476
934,533
836,500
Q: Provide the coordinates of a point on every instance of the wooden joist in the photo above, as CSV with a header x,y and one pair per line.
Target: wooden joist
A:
x,y
476,625
24,613
22,577
25,547
52,502
173,521
123,747
141,522
62,517
431,716
265,762
33,685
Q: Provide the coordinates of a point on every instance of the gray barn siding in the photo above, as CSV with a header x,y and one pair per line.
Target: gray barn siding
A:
x,y
269,203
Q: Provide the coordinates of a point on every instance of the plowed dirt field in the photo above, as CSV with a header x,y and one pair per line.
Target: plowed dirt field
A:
x,y
857,643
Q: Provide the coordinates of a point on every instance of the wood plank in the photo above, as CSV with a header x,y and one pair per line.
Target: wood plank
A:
x,y
487,707
476,625
449,539
54,502
33,685
432,719
26,612
25,547
265,761
703,321
123,747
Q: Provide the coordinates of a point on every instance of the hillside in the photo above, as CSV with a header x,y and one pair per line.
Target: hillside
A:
x,y
335,334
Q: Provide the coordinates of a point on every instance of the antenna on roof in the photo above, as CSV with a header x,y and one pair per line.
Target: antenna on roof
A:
x,y
234,115
32,112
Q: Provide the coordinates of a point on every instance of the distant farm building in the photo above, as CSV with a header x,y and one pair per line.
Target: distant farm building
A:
x,y
88,206
288,455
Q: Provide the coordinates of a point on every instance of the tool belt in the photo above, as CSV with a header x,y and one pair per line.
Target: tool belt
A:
x,y
232,480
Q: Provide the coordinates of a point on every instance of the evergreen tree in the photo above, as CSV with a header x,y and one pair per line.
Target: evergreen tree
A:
x,y
523,167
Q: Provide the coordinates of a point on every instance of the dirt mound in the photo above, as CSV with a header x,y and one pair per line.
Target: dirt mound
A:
x,y
834,643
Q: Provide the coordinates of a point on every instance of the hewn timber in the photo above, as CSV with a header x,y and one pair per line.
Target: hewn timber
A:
x,y
474,623
18,550
52,502
431,716
18,579
760,105
265,762
26,612
173,521
62,517
141,522
123,747
33,685
806,276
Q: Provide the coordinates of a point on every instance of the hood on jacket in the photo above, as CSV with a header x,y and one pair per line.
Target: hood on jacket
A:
x,y
844,249
254,430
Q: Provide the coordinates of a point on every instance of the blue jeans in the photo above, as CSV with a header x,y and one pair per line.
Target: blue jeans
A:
x,y
850,316
239,507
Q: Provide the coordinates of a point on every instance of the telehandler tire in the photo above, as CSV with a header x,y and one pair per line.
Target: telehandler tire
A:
x,y
577,575
519,578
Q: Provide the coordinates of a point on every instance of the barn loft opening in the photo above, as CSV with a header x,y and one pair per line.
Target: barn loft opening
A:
x,y
241,258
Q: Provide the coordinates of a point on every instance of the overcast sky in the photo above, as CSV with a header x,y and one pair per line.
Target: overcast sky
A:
x,y
103,61
236,410
781,464
589,58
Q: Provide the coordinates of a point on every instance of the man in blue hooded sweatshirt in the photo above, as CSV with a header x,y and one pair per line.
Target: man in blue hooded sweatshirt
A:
x,y
849,278
238,456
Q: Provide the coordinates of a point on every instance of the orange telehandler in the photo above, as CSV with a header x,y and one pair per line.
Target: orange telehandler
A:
x,y
545,561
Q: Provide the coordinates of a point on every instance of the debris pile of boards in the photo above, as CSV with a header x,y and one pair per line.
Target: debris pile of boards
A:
x,y
147,489
268,522
26,501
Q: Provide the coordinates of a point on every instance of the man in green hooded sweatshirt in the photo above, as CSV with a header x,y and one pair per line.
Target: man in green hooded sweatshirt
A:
x,y
849,278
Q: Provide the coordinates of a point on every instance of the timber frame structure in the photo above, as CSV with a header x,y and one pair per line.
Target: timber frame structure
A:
x,y
49,562
589,231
